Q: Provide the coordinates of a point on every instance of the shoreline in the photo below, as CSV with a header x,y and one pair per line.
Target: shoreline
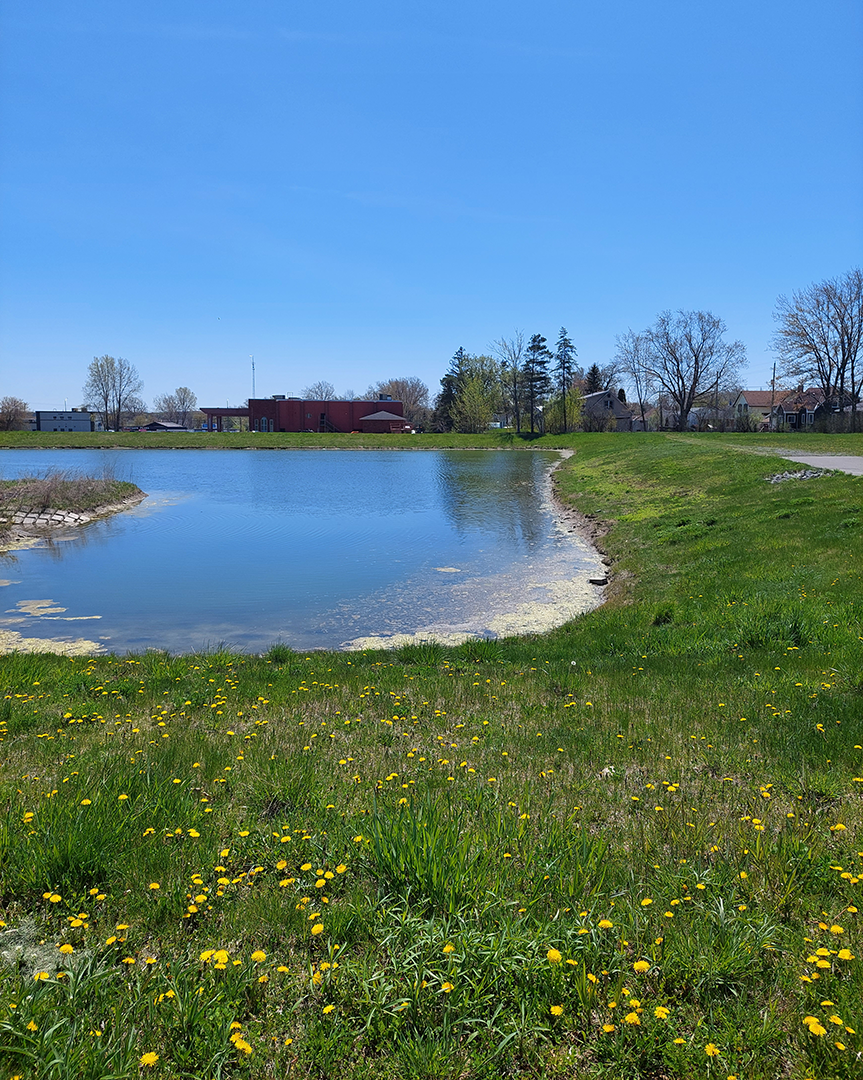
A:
x,y
49,523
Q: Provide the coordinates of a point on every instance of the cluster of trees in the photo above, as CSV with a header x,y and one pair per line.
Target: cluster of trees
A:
x,y
819,337
113,390
521,382
683,360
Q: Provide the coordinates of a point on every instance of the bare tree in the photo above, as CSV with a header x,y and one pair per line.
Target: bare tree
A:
x,y
411,391
12,411
178,406
320,391
510,354
631,361
687,358
820,335
112,389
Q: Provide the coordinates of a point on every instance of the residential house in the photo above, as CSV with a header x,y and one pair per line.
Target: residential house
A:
x,y
604,411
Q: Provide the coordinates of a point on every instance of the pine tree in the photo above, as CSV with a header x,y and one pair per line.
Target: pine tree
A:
x,y
594,380
564,365
442,419
536,379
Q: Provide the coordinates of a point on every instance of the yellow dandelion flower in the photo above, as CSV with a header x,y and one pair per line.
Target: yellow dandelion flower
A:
x,y
65,948
608,1028
556,1010
149,1058
632,1018
711,1050
605,924
554,956
448,948
640,966
328,1009
646,902
447,987
318,928
259,956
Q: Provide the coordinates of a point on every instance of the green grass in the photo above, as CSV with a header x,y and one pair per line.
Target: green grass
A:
x,y
602,852
59,490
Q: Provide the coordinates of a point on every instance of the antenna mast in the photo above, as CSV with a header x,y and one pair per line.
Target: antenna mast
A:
x,y
253,374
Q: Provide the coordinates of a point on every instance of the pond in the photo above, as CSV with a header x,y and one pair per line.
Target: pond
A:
x,y
313,548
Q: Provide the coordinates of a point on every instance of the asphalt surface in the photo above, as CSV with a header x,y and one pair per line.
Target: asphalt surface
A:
x,y
843,462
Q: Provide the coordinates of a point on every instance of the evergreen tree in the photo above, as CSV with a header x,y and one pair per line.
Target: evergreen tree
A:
x,y
564,369
594,380
535,377
442,419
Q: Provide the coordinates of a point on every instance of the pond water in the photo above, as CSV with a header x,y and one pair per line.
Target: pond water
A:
x,y
314,548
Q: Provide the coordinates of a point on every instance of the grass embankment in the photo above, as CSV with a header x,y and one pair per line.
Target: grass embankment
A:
x,y
65,491
629,848
490,440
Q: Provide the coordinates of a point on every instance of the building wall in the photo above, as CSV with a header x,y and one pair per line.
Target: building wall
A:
x,y
46,420
293,414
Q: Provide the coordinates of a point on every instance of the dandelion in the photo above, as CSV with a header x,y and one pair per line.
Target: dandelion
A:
x,y
632,1018
605,924
259,956
646,902
556,1010
328,1009
640,966
32,1027
41,976
661,1012
607,1028
318,928
66,948
448,948
155,885
149,1058
554,956
711,1050
447,987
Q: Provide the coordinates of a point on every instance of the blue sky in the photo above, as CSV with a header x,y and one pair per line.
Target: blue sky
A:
x,y
352,191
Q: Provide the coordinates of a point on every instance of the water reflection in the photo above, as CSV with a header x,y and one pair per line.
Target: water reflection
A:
x,y
496,493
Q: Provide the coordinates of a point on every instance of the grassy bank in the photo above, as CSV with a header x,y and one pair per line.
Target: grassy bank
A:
x,y
490,440
60,490
628,848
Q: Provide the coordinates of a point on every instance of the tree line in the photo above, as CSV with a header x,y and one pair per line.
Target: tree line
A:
x,y
680,362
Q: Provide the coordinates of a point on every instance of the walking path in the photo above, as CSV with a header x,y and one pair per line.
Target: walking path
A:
x,y
850,463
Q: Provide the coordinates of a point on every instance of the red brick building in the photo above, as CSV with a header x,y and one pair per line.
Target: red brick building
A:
x,y
279,413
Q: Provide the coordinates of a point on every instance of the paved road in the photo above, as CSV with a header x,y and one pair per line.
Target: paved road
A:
x,y
844,462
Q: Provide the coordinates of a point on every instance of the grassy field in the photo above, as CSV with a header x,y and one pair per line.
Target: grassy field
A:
x,y
628,848
491,440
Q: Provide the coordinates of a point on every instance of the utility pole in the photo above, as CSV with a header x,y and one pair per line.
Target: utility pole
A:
x,y
772,394
253,374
